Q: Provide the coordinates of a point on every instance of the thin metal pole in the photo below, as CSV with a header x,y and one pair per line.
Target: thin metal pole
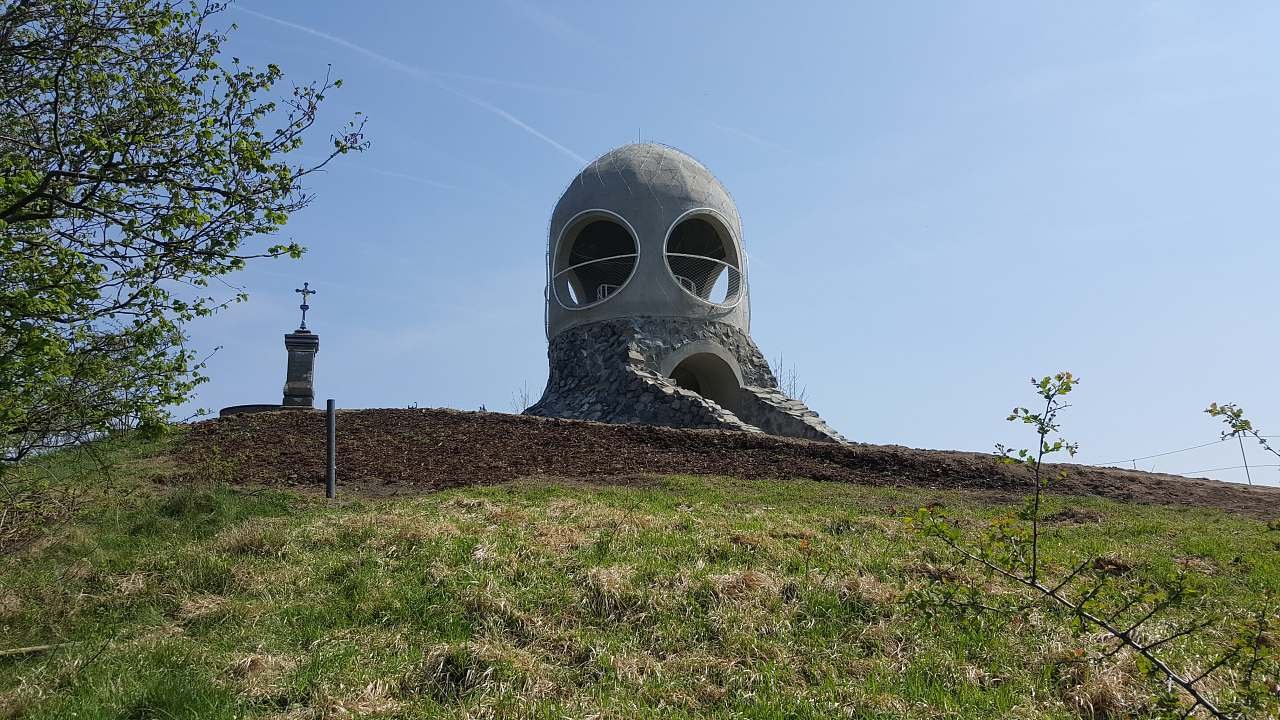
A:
x,y
1245,458
331,428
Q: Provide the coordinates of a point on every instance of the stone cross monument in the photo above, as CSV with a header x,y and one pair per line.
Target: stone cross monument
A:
x,y
648,311
302,346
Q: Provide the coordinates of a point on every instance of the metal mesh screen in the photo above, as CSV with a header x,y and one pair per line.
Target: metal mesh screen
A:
x,y
598,260
704,261
710,279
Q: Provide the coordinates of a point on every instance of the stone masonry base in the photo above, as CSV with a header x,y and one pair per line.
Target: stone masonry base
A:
x,y
612,371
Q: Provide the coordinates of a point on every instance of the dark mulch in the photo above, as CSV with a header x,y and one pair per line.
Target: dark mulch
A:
x,y
419,450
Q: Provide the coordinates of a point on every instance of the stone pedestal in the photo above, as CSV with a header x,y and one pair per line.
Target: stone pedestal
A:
x,y
299,384
675,372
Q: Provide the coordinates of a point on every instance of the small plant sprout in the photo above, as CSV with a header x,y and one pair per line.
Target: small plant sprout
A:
x,y
1051,390
1200,658
1238,427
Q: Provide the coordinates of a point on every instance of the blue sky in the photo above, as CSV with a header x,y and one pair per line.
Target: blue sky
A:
x,y
939,200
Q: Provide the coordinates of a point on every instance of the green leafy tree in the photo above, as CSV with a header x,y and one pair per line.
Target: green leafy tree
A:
x,y
137,164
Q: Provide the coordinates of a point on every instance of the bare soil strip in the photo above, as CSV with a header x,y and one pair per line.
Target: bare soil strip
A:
x,y
383,452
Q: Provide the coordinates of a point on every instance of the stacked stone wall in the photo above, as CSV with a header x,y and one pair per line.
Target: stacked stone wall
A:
x,y
611,371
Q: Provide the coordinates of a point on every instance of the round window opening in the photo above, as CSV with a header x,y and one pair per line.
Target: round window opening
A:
x,y
594,259
704,260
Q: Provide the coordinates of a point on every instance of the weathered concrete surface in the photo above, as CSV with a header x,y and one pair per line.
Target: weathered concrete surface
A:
x,y
650,186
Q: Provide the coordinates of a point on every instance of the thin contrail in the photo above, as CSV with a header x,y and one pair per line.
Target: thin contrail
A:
x,y
511,119
746,136
391,62
519,85
418,73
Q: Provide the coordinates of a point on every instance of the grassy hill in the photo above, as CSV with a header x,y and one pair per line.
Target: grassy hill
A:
x,y
184,593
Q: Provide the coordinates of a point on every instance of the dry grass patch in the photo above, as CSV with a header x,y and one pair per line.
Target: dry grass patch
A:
x,y
409,532
10,605
869,590
935,572
756,543
880,639
376,698
258,676
1198,564
559,538
200,607
258,665
883,704
295,713
633,668
268,582
130,584
451,672
15,702
494,609
564,508
979,677
621,522
506,516
699,679
159,633
745,585
609,591
484,553
1113,565
465,507
1094,691
260,537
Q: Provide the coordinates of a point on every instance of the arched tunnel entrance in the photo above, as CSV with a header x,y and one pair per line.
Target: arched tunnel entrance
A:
x,y
709,376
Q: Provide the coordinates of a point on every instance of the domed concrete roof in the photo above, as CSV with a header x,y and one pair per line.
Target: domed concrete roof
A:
x,y
645,179
648,189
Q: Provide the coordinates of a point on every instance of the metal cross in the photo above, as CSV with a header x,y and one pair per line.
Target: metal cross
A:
x,y
304,307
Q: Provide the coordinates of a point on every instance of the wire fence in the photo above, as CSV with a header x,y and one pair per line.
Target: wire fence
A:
x,y
1246,466
1163,454
1229,467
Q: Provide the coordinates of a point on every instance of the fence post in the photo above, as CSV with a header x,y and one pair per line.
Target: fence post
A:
x,y
331,467
1248,476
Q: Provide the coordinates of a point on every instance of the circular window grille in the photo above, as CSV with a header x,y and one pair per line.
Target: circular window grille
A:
x,y
704,260
593,261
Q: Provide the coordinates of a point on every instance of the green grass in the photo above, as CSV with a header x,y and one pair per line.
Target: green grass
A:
x,y
685,597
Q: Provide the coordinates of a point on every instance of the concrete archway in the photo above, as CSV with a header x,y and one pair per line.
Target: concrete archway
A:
x,y
711,377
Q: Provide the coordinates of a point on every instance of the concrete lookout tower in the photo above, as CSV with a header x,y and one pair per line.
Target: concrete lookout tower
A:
x,y
648,303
